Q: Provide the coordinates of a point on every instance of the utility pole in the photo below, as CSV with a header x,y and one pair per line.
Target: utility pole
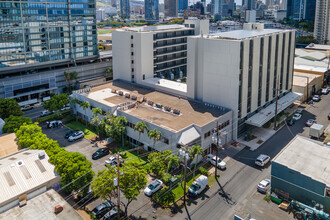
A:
x,y
118,176
216,156
184,175
276,103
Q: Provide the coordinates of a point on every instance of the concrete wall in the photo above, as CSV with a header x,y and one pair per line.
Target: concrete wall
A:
x,y
121,51
201,26
300,187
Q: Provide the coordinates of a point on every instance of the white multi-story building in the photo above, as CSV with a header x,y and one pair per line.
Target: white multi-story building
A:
x,y
241,70
100,14
322,21
140,53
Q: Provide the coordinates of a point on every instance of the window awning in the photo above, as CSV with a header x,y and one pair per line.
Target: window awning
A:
x,y
188,136
263,116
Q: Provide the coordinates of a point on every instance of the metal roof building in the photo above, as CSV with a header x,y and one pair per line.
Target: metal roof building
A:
x,y
24,175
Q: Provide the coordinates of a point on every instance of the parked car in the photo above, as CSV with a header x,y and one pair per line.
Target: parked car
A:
x,y
310,122
45,113
70,133
325,91
263,186
262,160
100,153
291,122
100,210
75,136
53,124
153,187
113,161
316,98
198,185
65,108
296,116
212,159
299,110
26,107
113,214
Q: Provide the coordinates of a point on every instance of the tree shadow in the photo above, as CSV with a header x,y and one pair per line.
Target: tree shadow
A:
x,y
225,195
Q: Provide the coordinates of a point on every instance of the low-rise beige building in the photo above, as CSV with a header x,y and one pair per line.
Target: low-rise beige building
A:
x,y
306,83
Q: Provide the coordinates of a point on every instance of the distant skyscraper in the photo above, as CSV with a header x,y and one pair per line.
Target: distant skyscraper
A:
x,y
322,21
182,5
301,10
283,5
151,8
250,4
171,8
125,11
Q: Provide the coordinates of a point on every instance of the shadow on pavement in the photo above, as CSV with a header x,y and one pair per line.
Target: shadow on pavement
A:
x,y
225,195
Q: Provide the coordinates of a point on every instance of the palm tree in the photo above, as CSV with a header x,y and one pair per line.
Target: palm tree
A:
x,y
196,151
69,76
140,127
96,120
84,106
96,111
75,101
155,135
172,161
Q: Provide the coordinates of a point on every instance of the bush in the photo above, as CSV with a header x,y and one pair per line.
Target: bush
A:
x,y
14,122
203,171
165,196
49,118
147,168
166,177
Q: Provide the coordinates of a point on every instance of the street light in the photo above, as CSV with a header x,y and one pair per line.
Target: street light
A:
x,y
185,155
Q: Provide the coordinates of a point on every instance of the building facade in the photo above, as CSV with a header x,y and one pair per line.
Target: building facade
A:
x,y
157,51
241,70
301,10
171,8
40,34
182,5
322,22
125,10
151,10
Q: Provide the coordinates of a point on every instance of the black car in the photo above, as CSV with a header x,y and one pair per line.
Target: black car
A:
x,y
113,214
70,133
100,153
291,122
100,210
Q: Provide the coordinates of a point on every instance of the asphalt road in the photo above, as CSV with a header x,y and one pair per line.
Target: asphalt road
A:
x,y
242,176
33,113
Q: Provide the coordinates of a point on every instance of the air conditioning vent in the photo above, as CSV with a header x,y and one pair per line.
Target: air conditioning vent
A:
x,y
151,103
42,155
176,111
20,163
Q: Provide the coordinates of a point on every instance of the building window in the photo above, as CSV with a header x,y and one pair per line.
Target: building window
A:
x,y
132,70
131,36
288,62
165,140
207,134
260,69
275,67
240,80
192,25
132,61
250,76
282,63
131,45
268,67
132,53
132,76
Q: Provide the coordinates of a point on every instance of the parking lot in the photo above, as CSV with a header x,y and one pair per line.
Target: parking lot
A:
x,y
83,146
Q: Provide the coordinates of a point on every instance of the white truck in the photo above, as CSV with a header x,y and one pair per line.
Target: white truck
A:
x,y
316,130
198,185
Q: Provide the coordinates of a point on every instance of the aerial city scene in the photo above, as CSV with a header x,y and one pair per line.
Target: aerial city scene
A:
x,y
164,109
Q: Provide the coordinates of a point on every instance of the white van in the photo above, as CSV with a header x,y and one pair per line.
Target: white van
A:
x,y
198,185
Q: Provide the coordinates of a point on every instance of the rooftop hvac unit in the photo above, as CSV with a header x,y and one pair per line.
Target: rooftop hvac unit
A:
x,y
42,155
158,105
113,91
151,103
127,95
20,163
120,93
176,111
134,97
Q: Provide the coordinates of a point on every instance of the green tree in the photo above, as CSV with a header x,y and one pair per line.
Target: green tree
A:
x,y
140,127
116,127
306,40
155,135
57,102
157,163
172,161
132,182
12,123
70,76
85,105
103,184
194,152
73,168
165,196
9,107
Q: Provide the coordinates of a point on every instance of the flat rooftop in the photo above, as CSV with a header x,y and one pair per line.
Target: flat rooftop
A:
x,y
42,207
155,28
169,84
300,79
191,112
242,34
309,157
8,144
318,47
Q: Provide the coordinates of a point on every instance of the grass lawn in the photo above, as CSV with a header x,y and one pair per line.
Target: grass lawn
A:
x,y
104,31
76,125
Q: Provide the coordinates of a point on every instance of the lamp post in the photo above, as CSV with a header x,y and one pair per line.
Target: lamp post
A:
x,y
185,156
